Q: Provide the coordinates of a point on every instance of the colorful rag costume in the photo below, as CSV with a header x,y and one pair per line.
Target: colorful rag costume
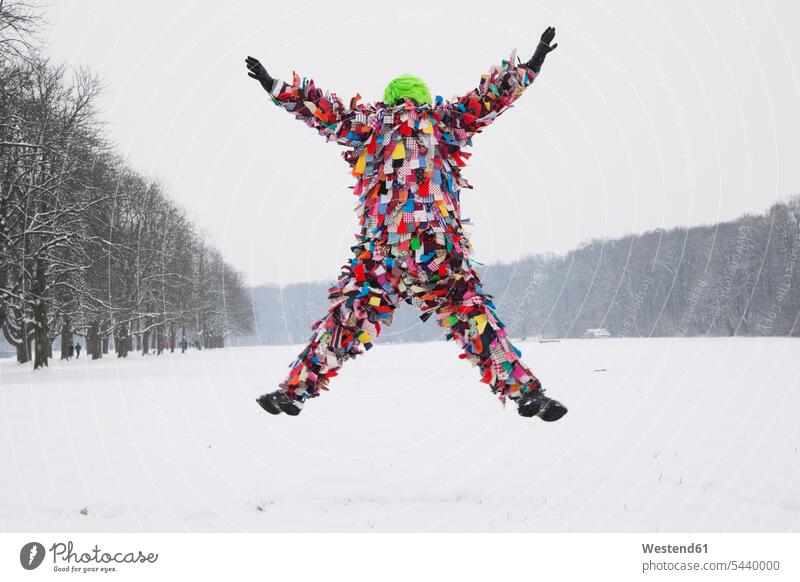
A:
x,y
407,161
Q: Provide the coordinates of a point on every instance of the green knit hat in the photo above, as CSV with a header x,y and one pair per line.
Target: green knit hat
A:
x,y
406,86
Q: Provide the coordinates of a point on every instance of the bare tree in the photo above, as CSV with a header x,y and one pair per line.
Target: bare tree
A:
x,y
19,21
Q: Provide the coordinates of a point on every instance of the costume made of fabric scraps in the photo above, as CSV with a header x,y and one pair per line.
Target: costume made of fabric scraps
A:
x,y
407,159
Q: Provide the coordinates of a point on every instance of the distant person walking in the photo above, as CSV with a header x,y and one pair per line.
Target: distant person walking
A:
x,y
77,351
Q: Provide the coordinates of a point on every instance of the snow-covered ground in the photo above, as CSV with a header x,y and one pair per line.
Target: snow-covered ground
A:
x,y
662,435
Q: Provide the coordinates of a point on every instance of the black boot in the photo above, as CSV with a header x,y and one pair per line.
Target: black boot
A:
x,y
537,404
277,402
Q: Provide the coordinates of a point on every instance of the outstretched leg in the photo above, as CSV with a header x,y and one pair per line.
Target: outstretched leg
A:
x,y
362,300
442,281
467,313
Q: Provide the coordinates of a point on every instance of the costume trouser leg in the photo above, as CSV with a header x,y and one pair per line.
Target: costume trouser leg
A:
x,y
447,285
362,300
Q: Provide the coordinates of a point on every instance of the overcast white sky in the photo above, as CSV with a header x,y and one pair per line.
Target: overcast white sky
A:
x,y
649,114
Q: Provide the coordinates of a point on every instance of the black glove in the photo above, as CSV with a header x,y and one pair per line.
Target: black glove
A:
x,y
257,71
541,51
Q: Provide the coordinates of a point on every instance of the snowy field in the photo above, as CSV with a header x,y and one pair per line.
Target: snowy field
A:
x,y
662,435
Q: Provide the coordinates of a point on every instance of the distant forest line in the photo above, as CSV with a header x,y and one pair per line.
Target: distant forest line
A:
x,y
733,278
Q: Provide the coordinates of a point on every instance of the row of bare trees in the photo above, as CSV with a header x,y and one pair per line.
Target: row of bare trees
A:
x,y
89,246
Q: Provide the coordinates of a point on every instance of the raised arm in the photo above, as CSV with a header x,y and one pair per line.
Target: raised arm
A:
x,y
496,92
324,112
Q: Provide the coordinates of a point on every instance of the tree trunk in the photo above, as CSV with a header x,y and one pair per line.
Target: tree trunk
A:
x,y
159,339
22,346
66,338
93,341
40,328
24,352
146,337
122,341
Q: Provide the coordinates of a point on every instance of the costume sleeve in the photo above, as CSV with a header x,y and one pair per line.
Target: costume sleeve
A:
x,y
323,111
496,92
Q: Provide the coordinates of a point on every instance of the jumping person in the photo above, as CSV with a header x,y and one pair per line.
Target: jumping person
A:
x,y
406,153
